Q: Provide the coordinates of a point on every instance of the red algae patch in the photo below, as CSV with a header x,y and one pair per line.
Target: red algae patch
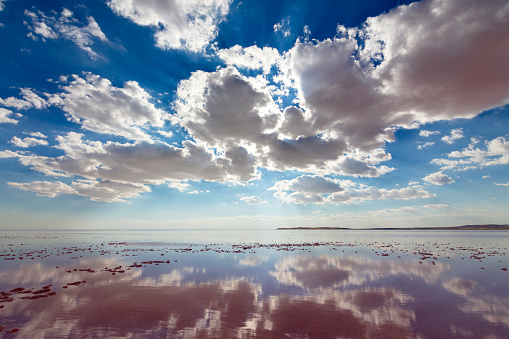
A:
x,y
16,290
43,292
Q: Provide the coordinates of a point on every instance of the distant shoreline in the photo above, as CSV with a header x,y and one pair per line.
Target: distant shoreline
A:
x,y
489,227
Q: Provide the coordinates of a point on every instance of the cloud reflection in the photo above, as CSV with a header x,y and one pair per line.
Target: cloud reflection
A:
x,y
312,296
331,271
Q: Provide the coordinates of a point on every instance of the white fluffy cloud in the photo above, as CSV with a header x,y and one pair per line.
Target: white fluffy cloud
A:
x,y
179,24
252,57
28,142
455,135
29,100
180,186
253,200
99,106
427,52
141,162
333,88
106,190
438,178
283,27
45,188
318,190
427,67
496,147
37,135
413,65
8,154
4,117
425,145
309,184
166,134
224,108
375,193
67,27
425,133
495,153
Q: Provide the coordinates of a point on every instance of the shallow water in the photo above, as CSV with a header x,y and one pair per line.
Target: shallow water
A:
x,y
260,284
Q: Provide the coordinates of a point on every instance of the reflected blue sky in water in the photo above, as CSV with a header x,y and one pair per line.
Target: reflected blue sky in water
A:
x,y
315,284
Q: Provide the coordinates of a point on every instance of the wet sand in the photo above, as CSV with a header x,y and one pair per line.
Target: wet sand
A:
x,y
369,286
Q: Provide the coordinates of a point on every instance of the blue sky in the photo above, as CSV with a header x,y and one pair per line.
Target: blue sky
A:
x,y
253,114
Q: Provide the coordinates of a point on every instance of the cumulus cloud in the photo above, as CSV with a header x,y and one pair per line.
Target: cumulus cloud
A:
x,y
190,24
333,88
425,133
37,135
412,65
318,190
283,27
141,162
4,117
105,190
29,100
496,152
45,188
309,184
225,108
426,52
425,145
438,178
375,193
416,63
496,147
67,27
98,106
8,154
253,200
109,190
361,168
180,186
295,123
166,134
2,6
28,142
252,57
455,135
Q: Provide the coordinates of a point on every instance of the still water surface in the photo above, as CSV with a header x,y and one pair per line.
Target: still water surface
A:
x,y
254,284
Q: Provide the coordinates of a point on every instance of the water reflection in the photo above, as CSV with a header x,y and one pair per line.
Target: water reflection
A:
x,y
322,293
332,271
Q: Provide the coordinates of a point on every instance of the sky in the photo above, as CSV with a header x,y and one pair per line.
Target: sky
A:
x,y
253,114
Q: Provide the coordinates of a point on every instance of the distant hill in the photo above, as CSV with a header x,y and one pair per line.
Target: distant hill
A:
x,y
488,227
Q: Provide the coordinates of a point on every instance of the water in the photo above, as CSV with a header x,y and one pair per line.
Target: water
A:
x,y
254,284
